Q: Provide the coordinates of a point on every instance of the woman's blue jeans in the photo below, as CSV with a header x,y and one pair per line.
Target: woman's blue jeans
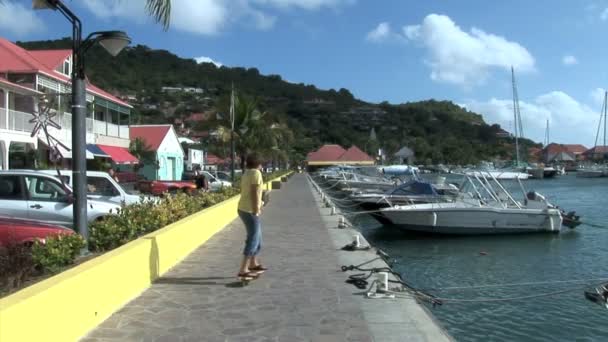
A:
x,y
253,243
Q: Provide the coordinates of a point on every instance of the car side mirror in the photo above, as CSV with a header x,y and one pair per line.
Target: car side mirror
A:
x,y
69,198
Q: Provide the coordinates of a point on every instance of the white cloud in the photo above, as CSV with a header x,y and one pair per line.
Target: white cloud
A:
x,y
305,4
570,120
19,19
597,95
209,17
204,59
465,58
380,33
604,14
569,60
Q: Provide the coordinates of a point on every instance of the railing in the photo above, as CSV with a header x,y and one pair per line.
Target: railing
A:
x,y
19,121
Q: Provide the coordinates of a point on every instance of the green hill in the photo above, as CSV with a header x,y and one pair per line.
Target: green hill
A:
x,y
438,131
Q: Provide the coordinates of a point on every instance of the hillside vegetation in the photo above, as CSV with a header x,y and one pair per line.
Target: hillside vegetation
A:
x,y
438,131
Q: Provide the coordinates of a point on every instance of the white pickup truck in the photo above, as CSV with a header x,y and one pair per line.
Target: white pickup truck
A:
x,y
99,186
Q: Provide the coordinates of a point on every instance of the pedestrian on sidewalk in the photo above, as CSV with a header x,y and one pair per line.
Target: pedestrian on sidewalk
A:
x,y
249,210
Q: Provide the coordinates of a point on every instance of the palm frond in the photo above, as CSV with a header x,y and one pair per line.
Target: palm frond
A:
x,y
161,11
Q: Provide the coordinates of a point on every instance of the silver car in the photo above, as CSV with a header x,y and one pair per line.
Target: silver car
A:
x,y
41,197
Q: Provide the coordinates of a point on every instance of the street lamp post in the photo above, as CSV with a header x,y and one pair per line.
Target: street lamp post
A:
x,y
232,152
113,42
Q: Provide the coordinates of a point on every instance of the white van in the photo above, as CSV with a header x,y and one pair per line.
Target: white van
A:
x,y
99,186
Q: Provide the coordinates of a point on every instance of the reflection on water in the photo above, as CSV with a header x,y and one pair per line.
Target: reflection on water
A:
x,y
433,262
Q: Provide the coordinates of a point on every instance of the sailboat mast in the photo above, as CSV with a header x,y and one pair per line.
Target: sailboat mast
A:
x,y
605,110
547,139
517,125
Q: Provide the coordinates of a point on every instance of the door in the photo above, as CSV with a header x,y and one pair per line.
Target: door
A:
x,y
171,168
13,202
102,188
48,201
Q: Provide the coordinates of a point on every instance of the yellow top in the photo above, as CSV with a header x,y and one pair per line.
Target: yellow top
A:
x,y
250,177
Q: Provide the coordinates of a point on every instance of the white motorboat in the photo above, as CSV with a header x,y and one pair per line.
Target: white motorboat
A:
x,y
495,212
498,174
591,172
465,218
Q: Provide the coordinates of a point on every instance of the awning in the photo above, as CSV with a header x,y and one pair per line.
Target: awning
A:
x,y
119,155
96,151
65,153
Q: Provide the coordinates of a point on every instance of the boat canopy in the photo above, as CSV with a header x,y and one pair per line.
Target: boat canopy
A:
x,y
414,187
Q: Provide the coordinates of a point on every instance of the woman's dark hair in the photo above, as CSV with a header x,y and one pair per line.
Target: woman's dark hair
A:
x,y
253,161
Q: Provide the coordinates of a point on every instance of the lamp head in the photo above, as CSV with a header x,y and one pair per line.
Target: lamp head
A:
x,y
113,41
44,4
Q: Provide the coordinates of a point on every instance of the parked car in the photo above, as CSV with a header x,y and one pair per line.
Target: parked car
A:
x,y
20,231
38,196
160,187
100,186
215,183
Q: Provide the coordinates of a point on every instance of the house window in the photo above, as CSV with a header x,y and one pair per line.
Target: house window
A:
x,y
66,67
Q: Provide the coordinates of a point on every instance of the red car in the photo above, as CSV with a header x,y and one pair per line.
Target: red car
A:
x,y
20,231
160,187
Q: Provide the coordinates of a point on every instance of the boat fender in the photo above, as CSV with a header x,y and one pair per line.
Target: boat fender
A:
x,y
434,219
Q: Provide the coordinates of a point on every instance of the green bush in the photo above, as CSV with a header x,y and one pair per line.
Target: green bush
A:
x,y
139,219
57,252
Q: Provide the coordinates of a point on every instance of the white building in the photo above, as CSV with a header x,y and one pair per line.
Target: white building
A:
x,y
27,74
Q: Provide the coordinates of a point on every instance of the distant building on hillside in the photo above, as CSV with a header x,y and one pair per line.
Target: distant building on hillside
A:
x,y
329,155
405,155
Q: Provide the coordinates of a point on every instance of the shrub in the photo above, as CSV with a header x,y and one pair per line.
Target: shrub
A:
x,y
138,219
57,252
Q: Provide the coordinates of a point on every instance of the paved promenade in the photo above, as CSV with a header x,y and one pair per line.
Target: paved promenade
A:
x,y
302,297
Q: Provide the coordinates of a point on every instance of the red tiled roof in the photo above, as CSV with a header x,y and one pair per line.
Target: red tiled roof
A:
x,y
50,58
212,159
327,153
576,149
355,154
596,150
555,148
152,135
15,59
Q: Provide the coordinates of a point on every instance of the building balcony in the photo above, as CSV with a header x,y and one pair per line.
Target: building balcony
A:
x,y
14,120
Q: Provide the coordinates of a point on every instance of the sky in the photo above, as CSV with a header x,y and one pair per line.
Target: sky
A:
x,y
384,50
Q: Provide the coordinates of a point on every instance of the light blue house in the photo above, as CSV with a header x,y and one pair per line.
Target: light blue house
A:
x,y
162,139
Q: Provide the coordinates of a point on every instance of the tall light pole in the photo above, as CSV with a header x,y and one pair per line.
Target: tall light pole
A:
x,y
113,42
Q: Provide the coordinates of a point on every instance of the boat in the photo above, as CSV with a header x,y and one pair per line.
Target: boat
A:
x,y
497,212
499,174
412,192
596,171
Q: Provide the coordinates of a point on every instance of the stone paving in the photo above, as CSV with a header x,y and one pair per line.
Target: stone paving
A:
x,y
301,298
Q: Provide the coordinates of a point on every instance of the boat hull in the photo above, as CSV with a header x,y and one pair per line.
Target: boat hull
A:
x,y
475,221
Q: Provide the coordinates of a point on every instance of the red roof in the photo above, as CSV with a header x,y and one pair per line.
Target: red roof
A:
x,y
15,59
576,149
212,159
327,153
153,135
355,154
119,155
51,58
334,153
597,150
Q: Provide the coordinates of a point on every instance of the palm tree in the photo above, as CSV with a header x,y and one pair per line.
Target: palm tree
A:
x,y
160,10
142,152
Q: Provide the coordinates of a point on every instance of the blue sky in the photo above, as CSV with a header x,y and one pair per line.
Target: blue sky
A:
x,y
394,50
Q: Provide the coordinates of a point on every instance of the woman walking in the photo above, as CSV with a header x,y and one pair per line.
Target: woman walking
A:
x,y
250,207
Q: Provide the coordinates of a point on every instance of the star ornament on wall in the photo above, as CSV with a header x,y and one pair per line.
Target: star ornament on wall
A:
x,y
42,120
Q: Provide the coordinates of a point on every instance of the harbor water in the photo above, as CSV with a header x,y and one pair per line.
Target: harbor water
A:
x,y
485,268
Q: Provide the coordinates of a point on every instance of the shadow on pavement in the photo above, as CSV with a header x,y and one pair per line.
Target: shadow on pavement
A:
x,y
192,281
